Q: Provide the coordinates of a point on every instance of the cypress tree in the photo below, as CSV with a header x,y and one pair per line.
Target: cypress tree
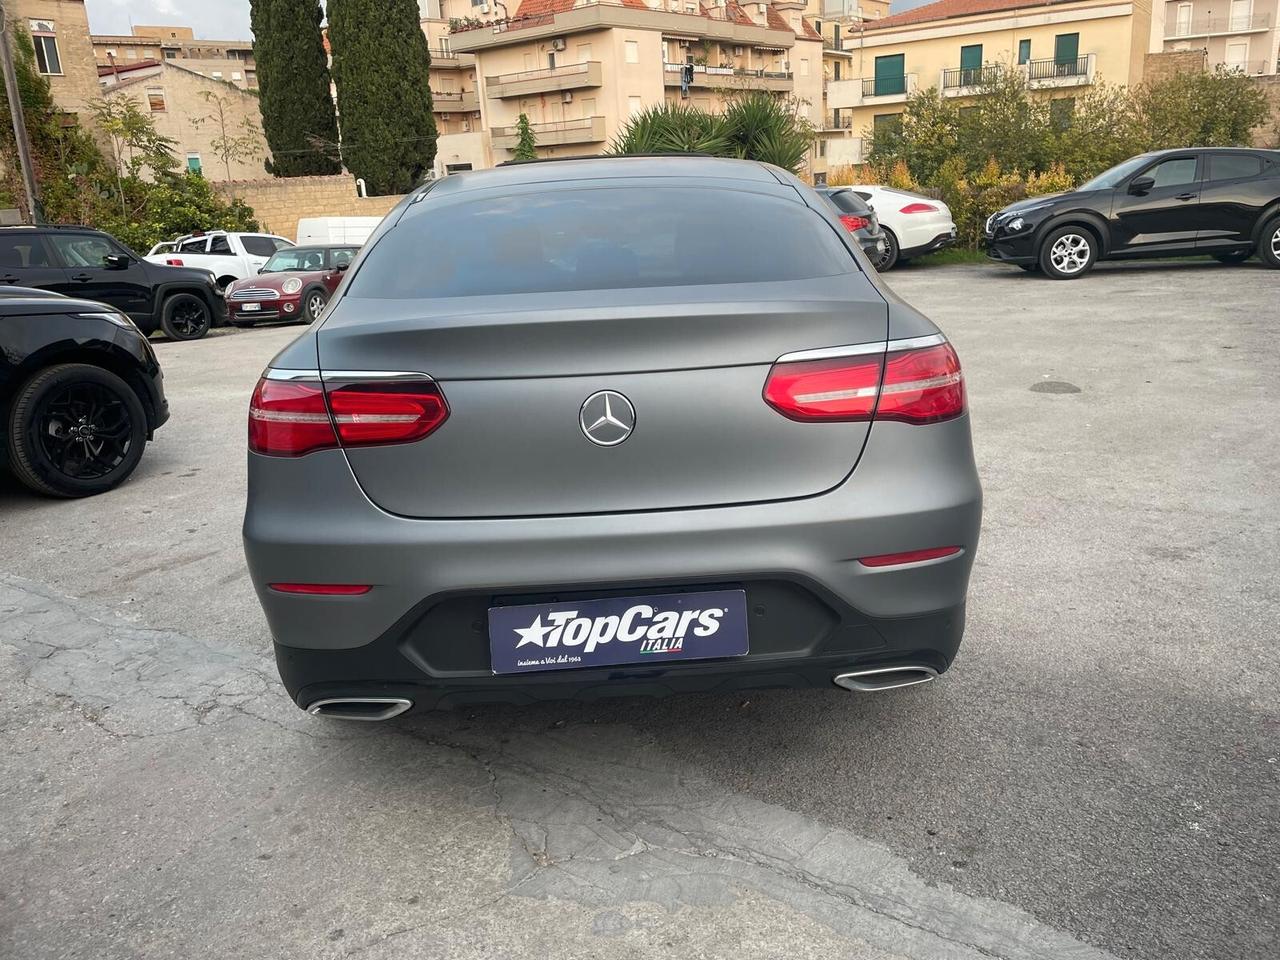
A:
x,y
381,64
293,88
526,142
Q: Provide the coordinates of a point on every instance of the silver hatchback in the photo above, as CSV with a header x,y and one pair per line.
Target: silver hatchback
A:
x,y
612,426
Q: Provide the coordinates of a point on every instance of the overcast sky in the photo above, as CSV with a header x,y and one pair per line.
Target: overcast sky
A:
x,y
214,19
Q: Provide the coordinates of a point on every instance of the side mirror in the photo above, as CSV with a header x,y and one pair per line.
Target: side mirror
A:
x,y
115,261
340,267
262,268
1140,185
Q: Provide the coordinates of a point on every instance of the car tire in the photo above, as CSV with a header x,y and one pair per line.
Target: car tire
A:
x,y
313,304
185,316
1068,253
1237,257
1269,244
75,430
889,259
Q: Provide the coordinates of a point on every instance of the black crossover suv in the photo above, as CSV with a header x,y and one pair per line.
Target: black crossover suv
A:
x,y
1222,202
81,393
82,262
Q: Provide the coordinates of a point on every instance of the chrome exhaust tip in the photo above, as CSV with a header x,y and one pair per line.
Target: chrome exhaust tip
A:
x,y
367,709
885,678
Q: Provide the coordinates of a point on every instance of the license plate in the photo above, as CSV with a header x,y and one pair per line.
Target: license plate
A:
x,y
250,306
573,634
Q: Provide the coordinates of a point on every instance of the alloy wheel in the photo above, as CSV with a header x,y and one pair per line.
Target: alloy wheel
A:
x,y
1070,253
85,430
188,318
315,306
1275,244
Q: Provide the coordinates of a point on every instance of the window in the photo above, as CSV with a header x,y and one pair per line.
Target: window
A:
x,y
258,246
82,250
1237,59
236,75
584,52
1024,51
1233,166
193,163
885,123
131,53
342,256
596,239
220,245
1240,14
19,251
632,49
1066,49
217,74
194,245
155,99
804,67
1182,26
111,54
635,105
42,36
891,76
1060,112
171,54
1173,173
970,65
456,167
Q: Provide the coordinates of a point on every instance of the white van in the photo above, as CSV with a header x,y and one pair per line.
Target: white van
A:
x,y
326,230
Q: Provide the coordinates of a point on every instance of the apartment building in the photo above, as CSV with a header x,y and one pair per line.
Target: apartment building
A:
x,y
455,93
228,60
954,45
1239,35
60,34
196,112
580,68
837,21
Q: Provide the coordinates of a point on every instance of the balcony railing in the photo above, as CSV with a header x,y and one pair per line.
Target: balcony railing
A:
x,y
728,77
888,86
1048,69
1253,68
842,121
570,76
954,78
586,130
1205,26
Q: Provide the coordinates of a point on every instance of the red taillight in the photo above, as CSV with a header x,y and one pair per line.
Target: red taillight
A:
x,y
397,412
913,386
173,262
909,556
323,589
290,418
853,222
919,208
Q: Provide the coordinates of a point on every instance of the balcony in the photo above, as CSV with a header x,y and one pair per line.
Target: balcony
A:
x,y
1053,73
453,101
449,60
965,81
887,89
1252,68
837,121
586,130
729,77
571,76
1217,26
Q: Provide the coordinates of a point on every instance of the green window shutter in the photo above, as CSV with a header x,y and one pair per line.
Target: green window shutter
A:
x,y
1024,51
891,74
1066,48
971,64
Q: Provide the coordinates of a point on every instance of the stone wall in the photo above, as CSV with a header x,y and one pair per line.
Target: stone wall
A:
x,y
1268,135
279,203
1162,66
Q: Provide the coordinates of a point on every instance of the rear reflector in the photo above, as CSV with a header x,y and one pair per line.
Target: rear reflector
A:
x,y
919,208
910,556
291,418
323,589
853,222
911,386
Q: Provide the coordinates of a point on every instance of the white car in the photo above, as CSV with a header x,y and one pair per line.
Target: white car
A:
x,y
228,256
913,225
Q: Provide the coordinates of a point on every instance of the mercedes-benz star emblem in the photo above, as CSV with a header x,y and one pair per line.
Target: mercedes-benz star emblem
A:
x,y
607,418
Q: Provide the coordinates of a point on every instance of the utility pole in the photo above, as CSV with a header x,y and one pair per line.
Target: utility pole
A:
x,y
19,121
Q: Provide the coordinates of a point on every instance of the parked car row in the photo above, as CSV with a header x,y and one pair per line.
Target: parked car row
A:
x,y
893,226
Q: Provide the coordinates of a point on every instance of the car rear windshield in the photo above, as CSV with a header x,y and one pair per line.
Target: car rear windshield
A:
x,y
846,201
600,238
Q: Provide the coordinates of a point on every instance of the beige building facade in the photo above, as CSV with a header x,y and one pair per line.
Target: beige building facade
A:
x,y
455,93
228,60
579,70
1237,35
954,46
60,33
195,111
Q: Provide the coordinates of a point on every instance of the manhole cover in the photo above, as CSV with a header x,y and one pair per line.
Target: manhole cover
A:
x,y
1054,386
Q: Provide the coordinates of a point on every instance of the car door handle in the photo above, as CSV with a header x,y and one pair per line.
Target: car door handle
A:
x,y
1186,196
9,278
82,277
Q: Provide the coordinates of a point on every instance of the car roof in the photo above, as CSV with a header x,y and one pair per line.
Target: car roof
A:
x,y
52,303
598,168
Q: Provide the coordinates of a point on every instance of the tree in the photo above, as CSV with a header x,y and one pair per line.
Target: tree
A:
x,y
1218,109
293,87
381,67
526,143
229,145
136,146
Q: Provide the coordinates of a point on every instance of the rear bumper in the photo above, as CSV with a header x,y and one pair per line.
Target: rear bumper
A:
x,y
421,631
941,241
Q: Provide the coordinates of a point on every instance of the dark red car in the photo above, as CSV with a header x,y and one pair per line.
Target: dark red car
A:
x,y
294,284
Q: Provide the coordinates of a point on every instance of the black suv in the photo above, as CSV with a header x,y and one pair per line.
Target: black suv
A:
x,y
1219,201
86,263
81,393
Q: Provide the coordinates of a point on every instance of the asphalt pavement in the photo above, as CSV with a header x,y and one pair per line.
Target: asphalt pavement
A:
x,y
1097,776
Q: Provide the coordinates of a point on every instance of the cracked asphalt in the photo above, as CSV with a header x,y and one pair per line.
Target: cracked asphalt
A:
x,y
1096,777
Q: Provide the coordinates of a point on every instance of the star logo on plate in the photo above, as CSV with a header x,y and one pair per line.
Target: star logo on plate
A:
x,y
535,633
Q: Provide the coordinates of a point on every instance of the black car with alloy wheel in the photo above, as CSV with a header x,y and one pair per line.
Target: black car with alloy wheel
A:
x,y
184,302
81,393
1223,202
